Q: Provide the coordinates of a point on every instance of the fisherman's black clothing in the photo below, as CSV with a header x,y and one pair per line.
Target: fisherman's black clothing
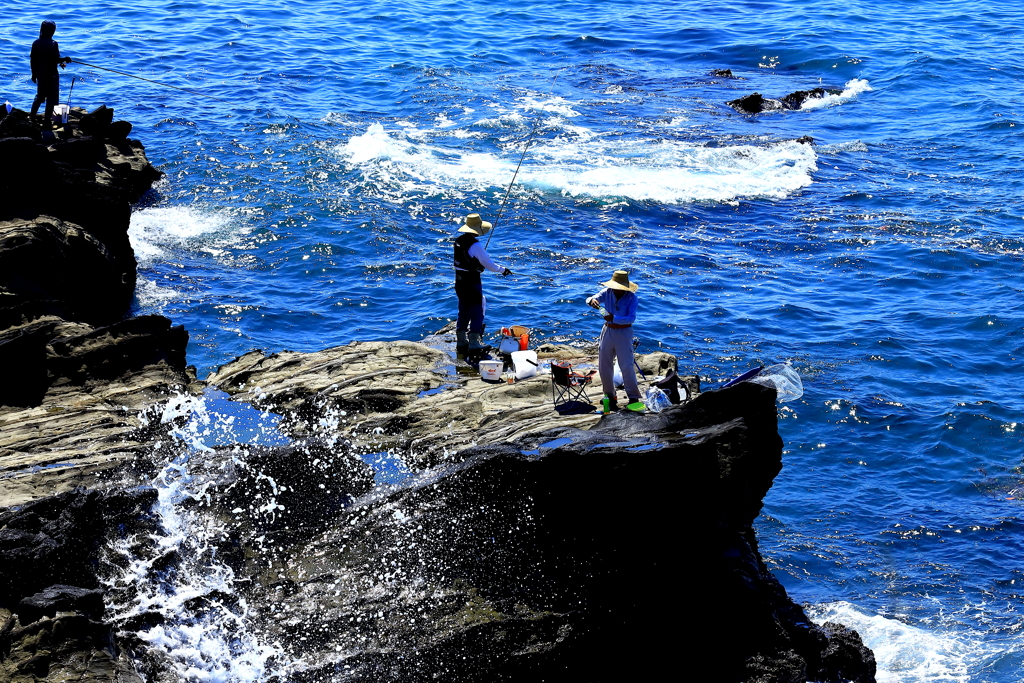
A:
x,y
468,286
45,58
463,261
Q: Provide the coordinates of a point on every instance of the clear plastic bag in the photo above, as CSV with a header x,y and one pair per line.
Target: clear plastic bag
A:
x,y
656,400
783,378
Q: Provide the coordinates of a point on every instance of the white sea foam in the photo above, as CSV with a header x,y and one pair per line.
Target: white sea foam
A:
x,y
201,636
553,105
152,296
580,163
157,230
906,653
850,91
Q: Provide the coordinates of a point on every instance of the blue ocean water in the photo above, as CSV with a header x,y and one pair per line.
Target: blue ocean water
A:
x,y
311,204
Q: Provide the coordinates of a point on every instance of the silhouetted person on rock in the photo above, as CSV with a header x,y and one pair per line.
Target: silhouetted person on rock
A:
x,y
45,60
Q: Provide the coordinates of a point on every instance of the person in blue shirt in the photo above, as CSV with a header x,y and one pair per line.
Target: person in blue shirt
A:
x,y
470,260
45,59
617,303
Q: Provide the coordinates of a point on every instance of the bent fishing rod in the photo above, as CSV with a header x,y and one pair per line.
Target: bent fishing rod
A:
x,y
529,141
148,80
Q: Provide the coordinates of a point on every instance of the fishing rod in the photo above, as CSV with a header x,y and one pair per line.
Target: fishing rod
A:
x,y
529,141
149,80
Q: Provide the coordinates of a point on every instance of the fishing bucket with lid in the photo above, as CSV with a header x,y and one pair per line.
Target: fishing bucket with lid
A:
x,y
491,370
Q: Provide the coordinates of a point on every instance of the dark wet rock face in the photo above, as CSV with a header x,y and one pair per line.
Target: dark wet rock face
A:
x,y
61,598
56,540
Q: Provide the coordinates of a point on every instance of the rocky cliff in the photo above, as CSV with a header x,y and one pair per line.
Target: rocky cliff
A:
x,y
513,542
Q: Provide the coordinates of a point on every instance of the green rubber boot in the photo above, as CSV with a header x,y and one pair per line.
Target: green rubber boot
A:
x,y
461,342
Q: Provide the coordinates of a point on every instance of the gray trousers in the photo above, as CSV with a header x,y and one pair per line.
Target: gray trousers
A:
x,y
617,344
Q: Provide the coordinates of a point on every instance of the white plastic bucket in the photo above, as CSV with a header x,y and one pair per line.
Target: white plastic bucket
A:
x,y
60,113
491,370
525,363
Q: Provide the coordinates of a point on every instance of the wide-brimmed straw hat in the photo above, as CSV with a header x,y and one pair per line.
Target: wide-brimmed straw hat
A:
x,y
475,226
620,280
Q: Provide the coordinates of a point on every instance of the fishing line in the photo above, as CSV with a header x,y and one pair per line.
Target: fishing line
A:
x,y
529,141
149,80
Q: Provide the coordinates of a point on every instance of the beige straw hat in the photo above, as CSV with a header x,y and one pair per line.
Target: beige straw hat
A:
x,y
476,226
620,280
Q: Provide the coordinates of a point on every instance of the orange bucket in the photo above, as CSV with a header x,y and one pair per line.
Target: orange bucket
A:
x,y
514,338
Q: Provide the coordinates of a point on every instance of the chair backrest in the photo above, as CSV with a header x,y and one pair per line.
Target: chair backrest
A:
x,y
560,373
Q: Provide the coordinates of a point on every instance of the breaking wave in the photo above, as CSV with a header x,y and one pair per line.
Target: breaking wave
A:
x,y
852,89
581,164
911,654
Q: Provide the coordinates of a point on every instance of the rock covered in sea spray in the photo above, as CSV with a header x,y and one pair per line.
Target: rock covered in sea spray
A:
x,y
50,577
570,550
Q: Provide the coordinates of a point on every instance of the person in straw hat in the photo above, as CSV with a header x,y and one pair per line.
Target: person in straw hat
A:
x,y
617,303
471,259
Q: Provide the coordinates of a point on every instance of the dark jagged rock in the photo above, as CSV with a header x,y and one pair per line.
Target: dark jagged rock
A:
x,y
116,351
49,579
722,73
60,598
756,103
96,122
841,657
795,100
119,130
49,260
307,480
55,540
78,375
17,125
750,104
84,185
79,411
69,647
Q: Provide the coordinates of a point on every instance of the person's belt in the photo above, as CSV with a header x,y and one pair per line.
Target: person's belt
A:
x,y
617,326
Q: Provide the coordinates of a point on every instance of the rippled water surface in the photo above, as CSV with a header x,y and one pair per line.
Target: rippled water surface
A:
x,y
310,203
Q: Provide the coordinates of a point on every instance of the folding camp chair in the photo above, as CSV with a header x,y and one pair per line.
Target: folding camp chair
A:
x,y
568,386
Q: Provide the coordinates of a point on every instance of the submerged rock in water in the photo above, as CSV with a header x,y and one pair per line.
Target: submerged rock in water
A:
x,y
755,103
